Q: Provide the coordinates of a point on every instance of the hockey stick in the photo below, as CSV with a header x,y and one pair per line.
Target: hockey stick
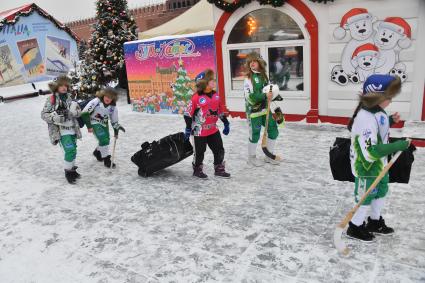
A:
x,y
338,243
264,140
113,152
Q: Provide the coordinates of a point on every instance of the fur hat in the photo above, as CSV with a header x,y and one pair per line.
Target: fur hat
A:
x,y
203,78
109,92
378,88
59,81
254,56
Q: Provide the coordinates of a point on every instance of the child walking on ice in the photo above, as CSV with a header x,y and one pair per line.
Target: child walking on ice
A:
x,y
96,115
256,108
60,113
370,147
203,111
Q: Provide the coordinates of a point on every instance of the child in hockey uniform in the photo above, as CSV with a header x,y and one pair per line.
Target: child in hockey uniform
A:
x,y
201,117
60,113
256,108
96,115
369,128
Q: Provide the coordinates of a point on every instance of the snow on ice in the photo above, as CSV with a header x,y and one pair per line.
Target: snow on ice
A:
x,y
270,225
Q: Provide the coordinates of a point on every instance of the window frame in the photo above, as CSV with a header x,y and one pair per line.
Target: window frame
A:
x,y
263,46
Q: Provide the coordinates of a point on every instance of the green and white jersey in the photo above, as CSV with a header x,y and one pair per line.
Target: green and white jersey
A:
x,y
255,99
370,128
100,114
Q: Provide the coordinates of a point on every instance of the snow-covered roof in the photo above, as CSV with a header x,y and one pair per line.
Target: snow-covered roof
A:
x,y
11,16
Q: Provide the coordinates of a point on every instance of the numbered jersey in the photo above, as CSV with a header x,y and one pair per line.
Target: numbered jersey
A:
x,y
368,129
100,114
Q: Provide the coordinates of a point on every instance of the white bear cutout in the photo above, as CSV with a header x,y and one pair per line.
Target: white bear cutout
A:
x,y
366,65
390,38
359,23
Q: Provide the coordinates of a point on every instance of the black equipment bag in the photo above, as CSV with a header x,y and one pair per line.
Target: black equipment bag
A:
x,y
339,159
161,154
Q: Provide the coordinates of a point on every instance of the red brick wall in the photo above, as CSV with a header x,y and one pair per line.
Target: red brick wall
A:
x,y
146,17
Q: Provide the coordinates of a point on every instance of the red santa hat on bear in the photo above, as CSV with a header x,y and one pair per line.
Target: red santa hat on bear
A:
x,y
352,16
400,26
365,50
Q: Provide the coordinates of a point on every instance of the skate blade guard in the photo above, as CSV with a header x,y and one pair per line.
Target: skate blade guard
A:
x,y
161,154
339,159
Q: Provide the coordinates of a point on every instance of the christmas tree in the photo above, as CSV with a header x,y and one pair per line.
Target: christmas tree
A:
x,y
82,48
105,55
182,86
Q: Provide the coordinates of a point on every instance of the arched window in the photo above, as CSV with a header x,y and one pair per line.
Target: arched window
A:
x,y
265,25
278,39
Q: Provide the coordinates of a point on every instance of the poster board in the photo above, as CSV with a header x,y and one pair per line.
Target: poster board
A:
x,y
161,71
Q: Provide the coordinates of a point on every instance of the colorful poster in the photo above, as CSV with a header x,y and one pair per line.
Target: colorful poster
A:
x,y
161,72
31,57
9,69
58,60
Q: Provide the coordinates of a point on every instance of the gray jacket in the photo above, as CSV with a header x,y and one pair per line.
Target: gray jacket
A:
x,y
49,112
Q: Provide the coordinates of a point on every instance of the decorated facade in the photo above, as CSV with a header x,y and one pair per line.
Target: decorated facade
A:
x,y
320,52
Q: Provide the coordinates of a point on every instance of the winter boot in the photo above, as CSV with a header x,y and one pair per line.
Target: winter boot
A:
x,y
107,162
378,226
220,171
70,177
97,154
197,171
359,232
76,174
276,161
253,161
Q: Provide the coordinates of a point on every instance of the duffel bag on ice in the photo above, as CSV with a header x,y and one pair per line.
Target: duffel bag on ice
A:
x,y
161,154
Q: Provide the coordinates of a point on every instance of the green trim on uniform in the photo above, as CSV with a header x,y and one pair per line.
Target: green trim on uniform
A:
x,y
255,125
363,183
85,116
102,134
69,145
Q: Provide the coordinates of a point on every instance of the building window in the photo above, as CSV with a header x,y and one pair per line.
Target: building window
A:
x,y
279,40
188,3
174,5
237,66
184,4
286,67
179,5
265,25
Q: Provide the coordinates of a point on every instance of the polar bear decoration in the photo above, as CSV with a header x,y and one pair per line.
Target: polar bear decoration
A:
x,y
366,58
393,34
359,23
